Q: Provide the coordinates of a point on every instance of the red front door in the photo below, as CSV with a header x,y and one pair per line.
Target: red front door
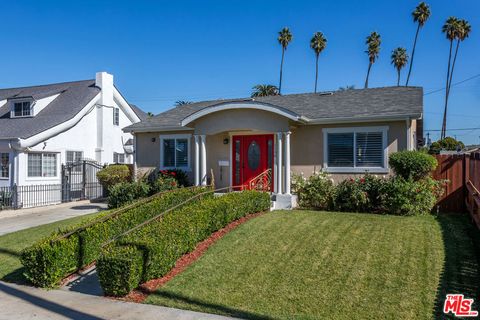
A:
x,y
252,155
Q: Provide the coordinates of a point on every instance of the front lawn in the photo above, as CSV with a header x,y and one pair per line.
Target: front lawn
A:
x,y
13,243
311,265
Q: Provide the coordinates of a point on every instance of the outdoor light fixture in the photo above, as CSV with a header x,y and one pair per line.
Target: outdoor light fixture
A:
x,y
153,139
225,141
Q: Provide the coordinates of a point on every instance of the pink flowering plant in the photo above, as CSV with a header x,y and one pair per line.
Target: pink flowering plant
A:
x,y
357,195
315,192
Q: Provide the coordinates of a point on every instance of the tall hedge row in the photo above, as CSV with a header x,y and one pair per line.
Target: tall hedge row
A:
x,y
49,260
152,251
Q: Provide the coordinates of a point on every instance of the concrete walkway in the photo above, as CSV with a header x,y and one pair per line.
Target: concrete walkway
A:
x,y
14,220
22,302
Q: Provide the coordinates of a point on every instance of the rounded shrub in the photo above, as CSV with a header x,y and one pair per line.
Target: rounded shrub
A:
x,y
113,174
315,192
410,197
362,194
351,196
414,165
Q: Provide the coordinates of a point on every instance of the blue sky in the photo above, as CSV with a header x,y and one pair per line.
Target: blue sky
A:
x,y
164,51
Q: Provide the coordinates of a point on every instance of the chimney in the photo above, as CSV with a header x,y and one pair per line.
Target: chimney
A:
x,y
104,81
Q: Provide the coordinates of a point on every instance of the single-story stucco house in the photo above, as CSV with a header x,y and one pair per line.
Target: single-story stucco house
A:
x,y
343,133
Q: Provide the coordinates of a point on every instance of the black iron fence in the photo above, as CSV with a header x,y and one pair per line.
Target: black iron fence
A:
x,y
17,197
79,182
30,196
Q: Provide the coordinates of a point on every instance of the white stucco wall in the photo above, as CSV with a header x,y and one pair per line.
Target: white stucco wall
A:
x,y
82,137
95,135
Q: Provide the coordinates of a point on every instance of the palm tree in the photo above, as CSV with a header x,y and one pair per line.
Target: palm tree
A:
x,y
420,15
463,32
284,38
450,28
399,60
460,30
373,42
318,44
182,102
264,90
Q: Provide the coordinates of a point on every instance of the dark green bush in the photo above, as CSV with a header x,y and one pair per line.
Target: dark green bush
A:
x,y
412,164
410,197
315,192
351,196
124,269
164,241
47,262
113,174
127,192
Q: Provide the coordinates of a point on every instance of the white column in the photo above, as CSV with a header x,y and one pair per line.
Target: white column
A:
x,y
279,162
203,155
409,134
287,162
196,170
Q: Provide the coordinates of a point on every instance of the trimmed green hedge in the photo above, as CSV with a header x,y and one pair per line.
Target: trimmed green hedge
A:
x,y
414,165
47,262
152,251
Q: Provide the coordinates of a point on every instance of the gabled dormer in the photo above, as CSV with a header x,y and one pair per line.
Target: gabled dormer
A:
x,y
28,106
22,107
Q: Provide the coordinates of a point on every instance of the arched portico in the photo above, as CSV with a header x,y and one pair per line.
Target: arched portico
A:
x,y
245,127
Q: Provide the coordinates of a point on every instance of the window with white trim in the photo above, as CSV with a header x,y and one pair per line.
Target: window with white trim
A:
x,y
355,149
118,157
4,165
42,165
175,152
116,116
22,109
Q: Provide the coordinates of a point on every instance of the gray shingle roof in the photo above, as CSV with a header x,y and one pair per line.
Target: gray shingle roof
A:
x,y
357,103
73,98
139,112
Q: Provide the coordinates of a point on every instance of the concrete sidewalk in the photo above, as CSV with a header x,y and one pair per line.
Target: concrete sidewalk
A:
x,y
22,302
14,220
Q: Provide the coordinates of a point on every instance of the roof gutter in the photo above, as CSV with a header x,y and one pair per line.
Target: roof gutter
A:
x,y
156,129
379,118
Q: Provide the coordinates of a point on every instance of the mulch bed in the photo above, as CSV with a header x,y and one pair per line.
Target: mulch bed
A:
x,y
77,274
141,293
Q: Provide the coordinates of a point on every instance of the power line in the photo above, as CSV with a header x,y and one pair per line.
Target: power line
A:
x,y
460,129
454,84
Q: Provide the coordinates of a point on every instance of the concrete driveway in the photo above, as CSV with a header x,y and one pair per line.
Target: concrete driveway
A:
x,y
14,220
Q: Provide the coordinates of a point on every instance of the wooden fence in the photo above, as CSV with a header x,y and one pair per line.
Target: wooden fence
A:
x,y
462,190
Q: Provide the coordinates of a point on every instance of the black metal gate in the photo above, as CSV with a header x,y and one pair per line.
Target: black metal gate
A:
x,y
79,181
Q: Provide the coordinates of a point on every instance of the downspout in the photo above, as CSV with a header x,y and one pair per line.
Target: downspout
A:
x,y
134,156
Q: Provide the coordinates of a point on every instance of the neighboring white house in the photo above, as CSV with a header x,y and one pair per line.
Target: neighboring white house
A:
x,y
42,127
